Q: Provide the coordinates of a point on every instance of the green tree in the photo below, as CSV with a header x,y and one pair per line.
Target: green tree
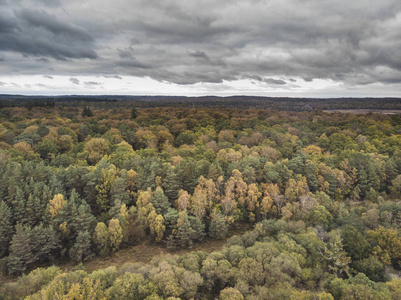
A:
x,y
6,228
134,113
21,250
87,112
160,201
184,233
81,250
131,286
218,227
336,256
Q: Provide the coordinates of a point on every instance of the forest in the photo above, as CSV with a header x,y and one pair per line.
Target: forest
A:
x,y
320,193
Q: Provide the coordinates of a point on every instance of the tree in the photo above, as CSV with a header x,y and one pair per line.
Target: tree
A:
x,y
156,225
184,233
355,244
21,250
160,201
218,227
87,112
130,286
252,200
145,208
134,113
56,204
183,203
336,256
6,228
115,234
82,247
96,149
103,189
388,248
101,237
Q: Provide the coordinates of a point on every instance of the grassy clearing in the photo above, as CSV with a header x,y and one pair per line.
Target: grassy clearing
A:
x,y
143,252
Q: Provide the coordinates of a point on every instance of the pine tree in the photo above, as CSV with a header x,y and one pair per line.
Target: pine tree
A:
x,y
184,233
6,228
119,191
87,112
160,201
171,184
82,247
134,113
218,227
21,250
83,220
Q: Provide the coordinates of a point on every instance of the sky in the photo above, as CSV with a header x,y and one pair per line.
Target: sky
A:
x,y
296,48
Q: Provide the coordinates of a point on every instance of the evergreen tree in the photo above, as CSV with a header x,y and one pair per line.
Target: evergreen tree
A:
x,y
82,247
171,184
160,201
45,243
6,228
134,113
87,112
218,227
184,234
21,250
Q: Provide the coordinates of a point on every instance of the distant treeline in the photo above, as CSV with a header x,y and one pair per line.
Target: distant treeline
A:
x,y
279,103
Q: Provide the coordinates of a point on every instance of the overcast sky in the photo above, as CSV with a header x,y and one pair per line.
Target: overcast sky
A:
x,y
273,48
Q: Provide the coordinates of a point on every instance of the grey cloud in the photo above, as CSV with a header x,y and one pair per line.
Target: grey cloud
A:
x,y
198,54
74,80
113,76
126,54
92,83
38,18
187,42
48,76
134,64
38,33
50,3
43,59
275,81
2,83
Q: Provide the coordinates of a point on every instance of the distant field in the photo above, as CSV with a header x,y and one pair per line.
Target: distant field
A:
x,y
365,111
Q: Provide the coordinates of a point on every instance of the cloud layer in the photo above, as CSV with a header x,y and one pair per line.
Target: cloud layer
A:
x,y
276,43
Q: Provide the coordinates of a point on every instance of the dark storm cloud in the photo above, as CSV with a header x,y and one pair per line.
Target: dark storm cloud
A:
x,y
37,33
275,42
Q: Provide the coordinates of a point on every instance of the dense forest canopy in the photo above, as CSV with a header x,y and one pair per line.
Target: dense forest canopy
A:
x,y
322,192
279,103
